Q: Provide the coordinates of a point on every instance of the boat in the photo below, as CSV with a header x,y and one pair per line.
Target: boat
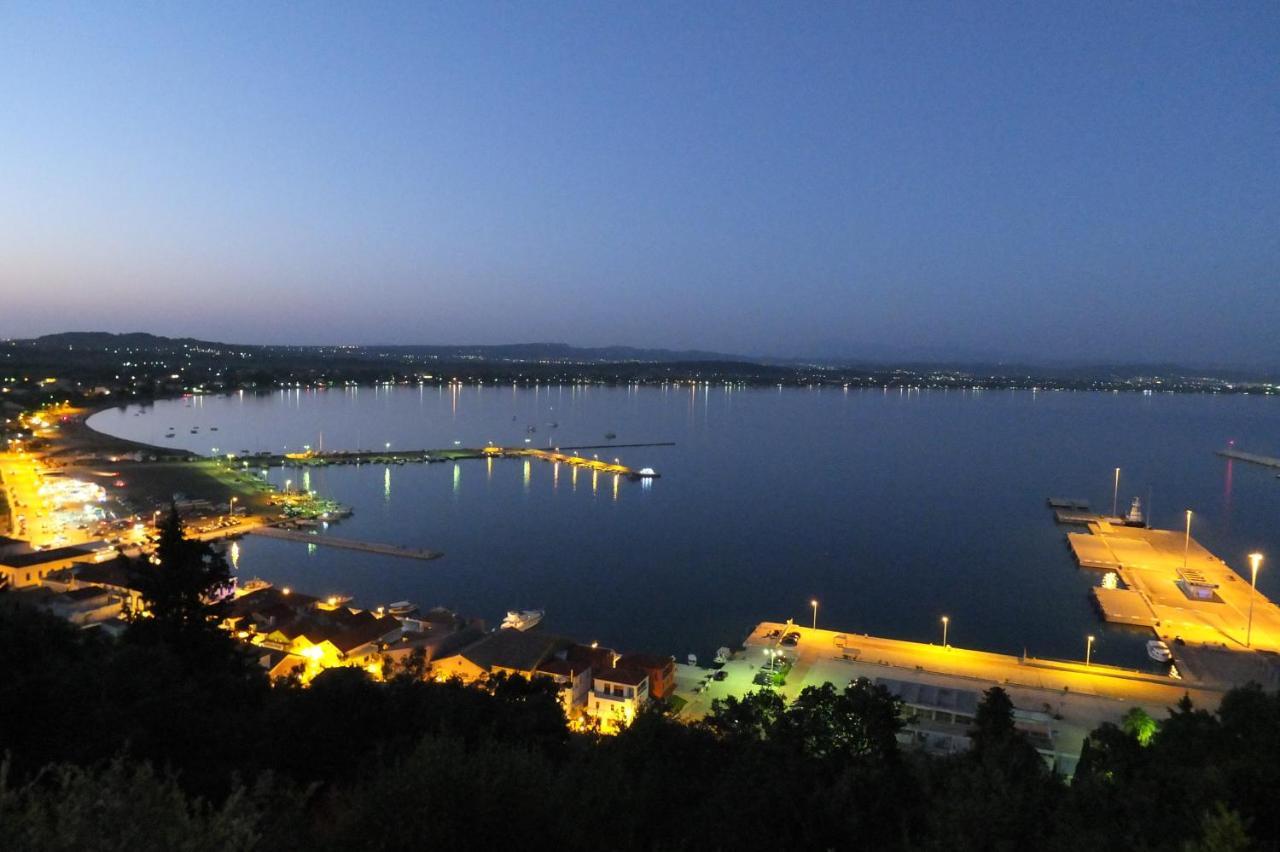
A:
x,y
213,428
609,436
522,619
168,434
1135,518
400,608
1159,651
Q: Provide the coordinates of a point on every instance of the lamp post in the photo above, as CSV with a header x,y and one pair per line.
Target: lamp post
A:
x,y
1186,542
155,519
1255,559
1088,652
945,621
1115,494
232,507
814,603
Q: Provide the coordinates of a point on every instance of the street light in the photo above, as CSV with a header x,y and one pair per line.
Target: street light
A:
x,y
1186,542
814,603
232,507
1255,559
945,622
1088,651
1115,494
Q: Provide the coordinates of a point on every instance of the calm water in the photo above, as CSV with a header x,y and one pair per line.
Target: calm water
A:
x,y
892,508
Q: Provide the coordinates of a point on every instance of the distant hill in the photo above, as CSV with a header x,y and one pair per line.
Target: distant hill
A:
x,y
553,352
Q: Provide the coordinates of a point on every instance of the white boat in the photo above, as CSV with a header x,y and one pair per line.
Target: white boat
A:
x,y
522,619
400,608
1135,517
1159,651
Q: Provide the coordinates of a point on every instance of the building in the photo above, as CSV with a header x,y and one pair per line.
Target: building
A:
x,y
617,694
661,672
574,679
502,651
21,566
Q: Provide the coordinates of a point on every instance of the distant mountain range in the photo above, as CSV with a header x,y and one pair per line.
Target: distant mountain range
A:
x,y
877,357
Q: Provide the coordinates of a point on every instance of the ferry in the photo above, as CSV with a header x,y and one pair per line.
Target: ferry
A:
x,y
522,619
1159,651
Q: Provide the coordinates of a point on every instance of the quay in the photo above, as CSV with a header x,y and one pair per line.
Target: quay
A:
x,y
388,456
578,461
345,543
1252,458
1056,702
1176,587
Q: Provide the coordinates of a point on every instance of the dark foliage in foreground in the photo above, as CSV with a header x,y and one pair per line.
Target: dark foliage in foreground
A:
x,y
128,746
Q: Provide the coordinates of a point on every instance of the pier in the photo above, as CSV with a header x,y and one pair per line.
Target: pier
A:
x,y
556,457
1251,458
346,543
312,458
1175,587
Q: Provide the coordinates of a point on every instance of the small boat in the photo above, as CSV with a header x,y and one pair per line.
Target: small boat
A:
x,y
522,619
1135,517
1159,651
168,434
213,428
609,436
400,608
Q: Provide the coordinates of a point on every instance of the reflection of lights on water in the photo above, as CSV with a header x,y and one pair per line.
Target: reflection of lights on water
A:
x,y
555,476
1110,580
595,476
489,462
311,548
457,477
616,477
527,472
386,483
306,480
646,483
575,478
235,555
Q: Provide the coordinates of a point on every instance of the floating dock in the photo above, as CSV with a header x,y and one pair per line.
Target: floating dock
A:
x,y
1072,516
1068,503
346,543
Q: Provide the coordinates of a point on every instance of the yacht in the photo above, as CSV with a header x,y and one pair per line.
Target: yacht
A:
x,y
522,619
400,608
1135,518
1159,651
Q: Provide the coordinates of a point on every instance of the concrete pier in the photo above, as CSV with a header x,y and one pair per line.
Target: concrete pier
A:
x,y
346,543
1251,458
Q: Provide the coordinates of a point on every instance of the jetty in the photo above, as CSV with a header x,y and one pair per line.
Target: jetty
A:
x,y
1251,458
1170,583
321,458
345,543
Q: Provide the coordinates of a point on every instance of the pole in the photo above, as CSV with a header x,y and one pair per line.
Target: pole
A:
x,y
1088,652
1115,494
1186,543
1254,559
945,622
814,603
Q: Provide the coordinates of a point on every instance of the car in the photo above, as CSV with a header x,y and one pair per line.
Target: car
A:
x,y
790,640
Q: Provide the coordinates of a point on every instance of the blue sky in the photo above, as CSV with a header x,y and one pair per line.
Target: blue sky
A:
x,y
1062,181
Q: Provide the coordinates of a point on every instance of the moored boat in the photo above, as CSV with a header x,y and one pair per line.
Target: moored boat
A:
x,y
522,619
1159,651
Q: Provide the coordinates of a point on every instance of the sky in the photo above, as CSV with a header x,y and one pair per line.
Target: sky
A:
x,y
1054,181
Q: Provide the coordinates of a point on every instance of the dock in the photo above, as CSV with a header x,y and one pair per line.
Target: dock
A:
x,y
1177,588
346,543
312,458
1251,458
1069,503
1078,518
556,457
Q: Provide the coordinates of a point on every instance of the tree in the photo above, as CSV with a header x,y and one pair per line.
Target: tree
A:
x,y
1139,724
993,721
184,587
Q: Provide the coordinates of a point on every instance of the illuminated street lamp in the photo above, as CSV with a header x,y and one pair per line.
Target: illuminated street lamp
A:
x,y
287,484
232,506
1186,542
945,622
1115,494
1088,651
814,603
1255,559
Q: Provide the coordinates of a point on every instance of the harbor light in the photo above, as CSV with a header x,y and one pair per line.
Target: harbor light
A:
x,y
814,603
1088,652
946,621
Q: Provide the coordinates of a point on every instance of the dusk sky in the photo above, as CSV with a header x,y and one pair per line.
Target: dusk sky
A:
x,y
1061,181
